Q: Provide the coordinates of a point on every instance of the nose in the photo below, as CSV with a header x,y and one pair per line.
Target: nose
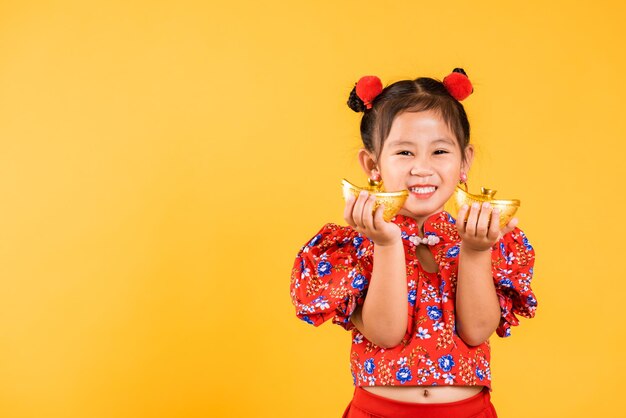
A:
x,y
421,168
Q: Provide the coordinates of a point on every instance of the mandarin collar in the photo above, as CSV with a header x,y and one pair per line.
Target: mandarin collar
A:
x,y
441,224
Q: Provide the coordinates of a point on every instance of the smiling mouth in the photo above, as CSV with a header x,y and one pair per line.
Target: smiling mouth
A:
x,y
423,190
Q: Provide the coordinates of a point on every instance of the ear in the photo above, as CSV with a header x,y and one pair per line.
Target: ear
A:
x,y
368,162
469,158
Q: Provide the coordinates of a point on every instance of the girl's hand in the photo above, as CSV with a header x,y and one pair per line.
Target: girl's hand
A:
x,y
478,233
358,214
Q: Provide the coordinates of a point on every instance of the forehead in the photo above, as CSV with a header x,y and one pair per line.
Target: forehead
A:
x,y
420,127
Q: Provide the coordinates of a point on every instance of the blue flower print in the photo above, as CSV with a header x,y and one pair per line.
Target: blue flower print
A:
x,y
307,320
479,373
531,301
357,242
404,375
422,333
525,241
369,365
449,378
323,268
505,282
412,297
353,378
320,302
315,240
434,312
509,258
502,248
359,282
446,363
453,252
504,273
451,219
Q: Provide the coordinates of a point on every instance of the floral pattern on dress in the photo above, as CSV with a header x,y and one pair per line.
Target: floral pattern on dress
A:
x,y
331,275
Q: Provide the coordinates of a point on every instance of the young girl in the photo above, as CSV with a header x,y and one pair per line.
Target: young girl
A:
x,y
423,293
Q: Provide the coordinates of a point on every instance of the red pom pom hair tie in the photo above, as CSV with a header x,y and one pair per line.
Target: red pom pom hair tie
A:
x,y
367,88
458,84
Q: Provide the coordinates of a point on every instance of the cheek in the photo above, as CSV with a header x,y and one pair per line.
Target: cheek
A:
x,y
450,168
393,169
392,181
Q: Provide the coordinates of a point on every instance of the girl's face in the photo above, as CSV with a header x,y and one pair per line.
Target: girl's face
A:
x,y
421,154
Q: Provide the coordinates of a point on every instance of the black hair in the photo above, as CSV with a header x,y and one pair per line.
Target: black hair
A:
x,y
417,95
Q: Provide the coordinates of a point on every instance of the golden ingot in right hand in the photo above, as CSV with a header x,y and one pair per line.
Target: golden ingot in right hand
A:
x,y
393,201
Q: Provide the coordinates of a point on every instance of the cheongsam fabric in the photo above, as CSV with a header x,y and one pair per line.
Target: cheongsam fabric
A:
x,y
330,278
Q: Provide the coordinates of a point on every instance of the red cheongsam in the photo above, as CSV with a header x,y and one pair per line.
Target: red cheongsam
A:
x,y
331,275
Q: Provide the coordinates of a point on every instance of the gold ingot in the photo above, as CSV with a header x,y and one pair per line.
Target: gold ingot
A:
x,y
507,207
393,201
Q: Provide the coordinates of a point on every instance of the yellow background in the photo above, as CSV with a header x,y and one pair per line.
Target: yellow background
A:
x,y
161,163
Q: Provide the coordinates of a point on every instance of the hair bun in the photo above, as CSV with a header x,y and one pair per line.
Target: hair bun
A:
x,y
458,84
365,90
460,70
354,102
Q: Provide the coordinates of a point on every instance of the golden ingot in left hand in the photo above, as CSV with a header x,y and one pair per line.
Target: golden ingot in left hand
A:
x,y
393,201
507,207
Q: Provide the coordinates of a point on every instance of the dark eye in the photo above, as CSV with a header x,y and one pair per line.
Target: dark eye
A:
x,y
441,151
404,153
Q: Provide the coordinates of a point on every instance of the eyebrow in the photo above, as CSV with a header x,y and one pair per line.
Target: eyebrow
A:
x,y
444,140
401,142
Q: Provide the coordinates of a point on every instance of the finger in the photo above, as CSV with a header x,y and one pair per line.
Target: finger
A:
x,y
510,226
379,221
368,213
494,226
461,219
347,211
357,211
482,226
472,220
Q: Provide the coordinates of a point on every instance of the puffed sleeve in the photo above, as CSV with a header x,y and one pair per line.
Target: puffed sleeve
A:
x,y
513,259
330,276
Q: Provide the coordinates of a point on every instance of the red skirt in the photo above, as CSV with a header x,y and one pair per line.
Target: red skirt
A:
x,y
365,404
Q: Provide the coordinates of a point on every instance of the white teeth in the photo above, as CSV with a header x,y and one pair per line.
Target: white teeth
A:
x,y
422,190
